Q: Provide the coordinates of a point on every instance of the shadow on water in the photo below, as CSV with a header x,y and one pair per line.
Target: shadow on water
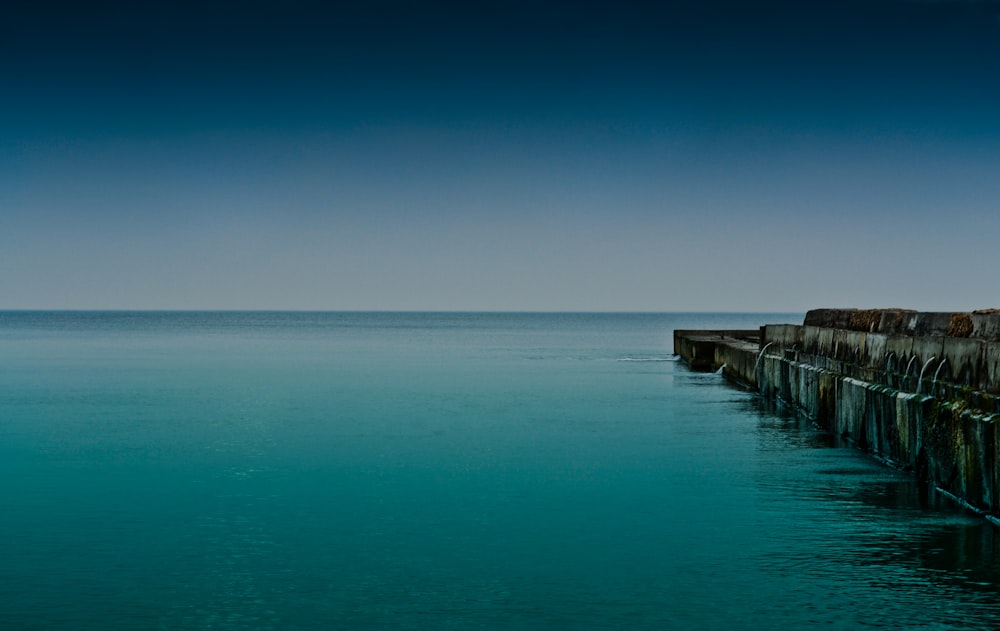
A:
x,y
884,518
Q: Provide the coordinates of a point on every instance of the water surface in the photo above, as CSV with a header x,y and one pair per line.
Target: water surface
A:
x,y
406,470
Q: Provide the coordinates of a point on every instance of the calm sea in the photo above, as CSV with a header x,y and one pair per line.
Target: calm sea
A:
x,y
443,471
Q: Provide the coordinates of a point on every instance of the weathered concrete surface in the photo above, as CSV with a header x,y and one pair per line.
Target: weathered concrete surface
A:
x,y
983,324
737,359
918,390
699,348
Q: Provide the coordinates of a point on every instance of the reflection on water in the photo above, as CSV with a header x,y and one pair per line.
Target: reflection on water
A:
x,y
899,543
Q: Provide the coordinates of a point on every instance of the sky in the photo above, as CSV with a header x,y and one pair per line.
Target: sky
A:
x,y
514,156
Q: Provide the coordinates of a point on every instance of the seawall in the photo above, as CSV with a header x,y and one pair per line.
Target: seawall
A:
x,y
919,390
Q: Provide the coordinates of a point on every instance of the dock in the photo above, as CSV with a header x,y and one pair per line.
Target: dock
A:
x,y
919,390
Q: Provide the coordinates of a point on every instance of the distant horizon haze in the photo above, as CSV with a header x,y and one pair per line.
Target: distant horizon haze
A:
x,y
547,156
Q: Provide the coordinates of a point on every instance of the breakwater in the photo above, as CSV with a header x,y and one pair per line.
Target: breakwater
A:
x,y
919,390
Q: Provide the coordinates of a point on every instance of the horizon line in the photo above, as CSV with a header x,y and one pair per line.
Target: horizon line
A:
x,y
443,311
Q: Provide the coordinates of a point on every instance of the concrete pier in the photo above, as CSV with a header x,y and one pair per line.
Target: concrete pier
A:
x,y
709,350
920,390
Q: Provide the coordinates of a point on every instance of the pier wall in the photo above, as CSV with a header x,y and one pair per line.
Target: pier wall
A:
x,y
917,390
711,350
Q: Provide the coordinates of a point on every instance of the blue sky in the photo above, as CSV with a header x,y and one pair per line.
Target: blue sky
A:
x,y
755,156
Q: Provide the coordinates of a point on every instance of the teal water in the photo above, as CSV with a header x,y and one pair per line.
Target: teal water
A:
x,y
443,471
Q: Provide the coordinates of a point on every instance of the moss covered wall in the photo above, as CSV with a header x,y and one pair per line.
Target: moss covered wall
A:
x,y
894,382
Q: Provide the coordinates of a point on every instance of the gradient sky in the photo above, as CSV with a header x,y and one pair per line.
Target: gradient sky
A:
x,y
752,156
